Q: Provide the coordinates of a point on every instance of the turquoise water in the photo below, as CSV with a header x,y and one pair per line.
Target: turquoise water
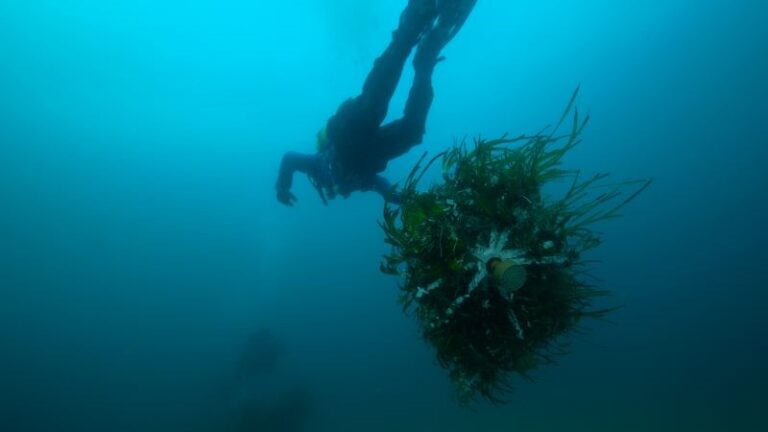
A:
x,y
141,242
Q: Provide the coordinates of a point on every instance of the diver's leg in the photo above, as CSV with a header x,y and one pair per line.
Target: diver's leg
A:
x,y
382,81
400,135
368,110
452,16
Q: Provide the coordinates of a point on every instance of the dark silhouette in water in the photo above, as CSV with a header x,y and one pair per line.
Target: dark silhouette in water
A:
x,y
290,412
354,147
260,355
265,397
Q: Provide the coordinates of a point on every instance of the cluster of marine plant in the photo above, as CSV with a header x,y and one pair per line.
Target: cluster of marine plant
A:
x,y
491,207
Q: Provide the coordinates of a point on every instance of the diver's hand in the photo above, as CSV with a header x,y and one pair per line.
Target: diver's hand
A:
x,y
286,197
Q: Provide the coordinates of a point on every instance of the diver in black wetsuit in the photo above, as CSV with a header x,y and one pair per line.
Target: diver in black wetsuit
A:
x,y
355,147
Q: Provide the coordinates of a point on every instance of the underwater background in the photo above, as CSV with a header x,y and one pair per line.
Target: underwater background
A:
x,y
142,247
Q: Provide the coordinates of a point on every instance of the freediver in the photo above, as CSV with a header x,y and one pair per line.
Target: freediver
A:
x,y
354,147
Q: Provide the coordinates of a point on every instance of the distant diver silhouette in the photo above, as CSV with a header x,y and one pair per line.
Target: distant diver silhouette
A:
x,y
354,147
261,354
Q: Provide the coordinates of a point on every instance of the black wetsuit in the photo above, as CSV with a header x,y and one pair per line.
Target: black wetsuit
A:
x,y
359,145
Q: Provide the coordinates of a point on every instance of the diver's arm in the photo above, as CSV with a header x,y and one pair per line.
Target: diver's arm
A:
x,y
385,189
291,163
